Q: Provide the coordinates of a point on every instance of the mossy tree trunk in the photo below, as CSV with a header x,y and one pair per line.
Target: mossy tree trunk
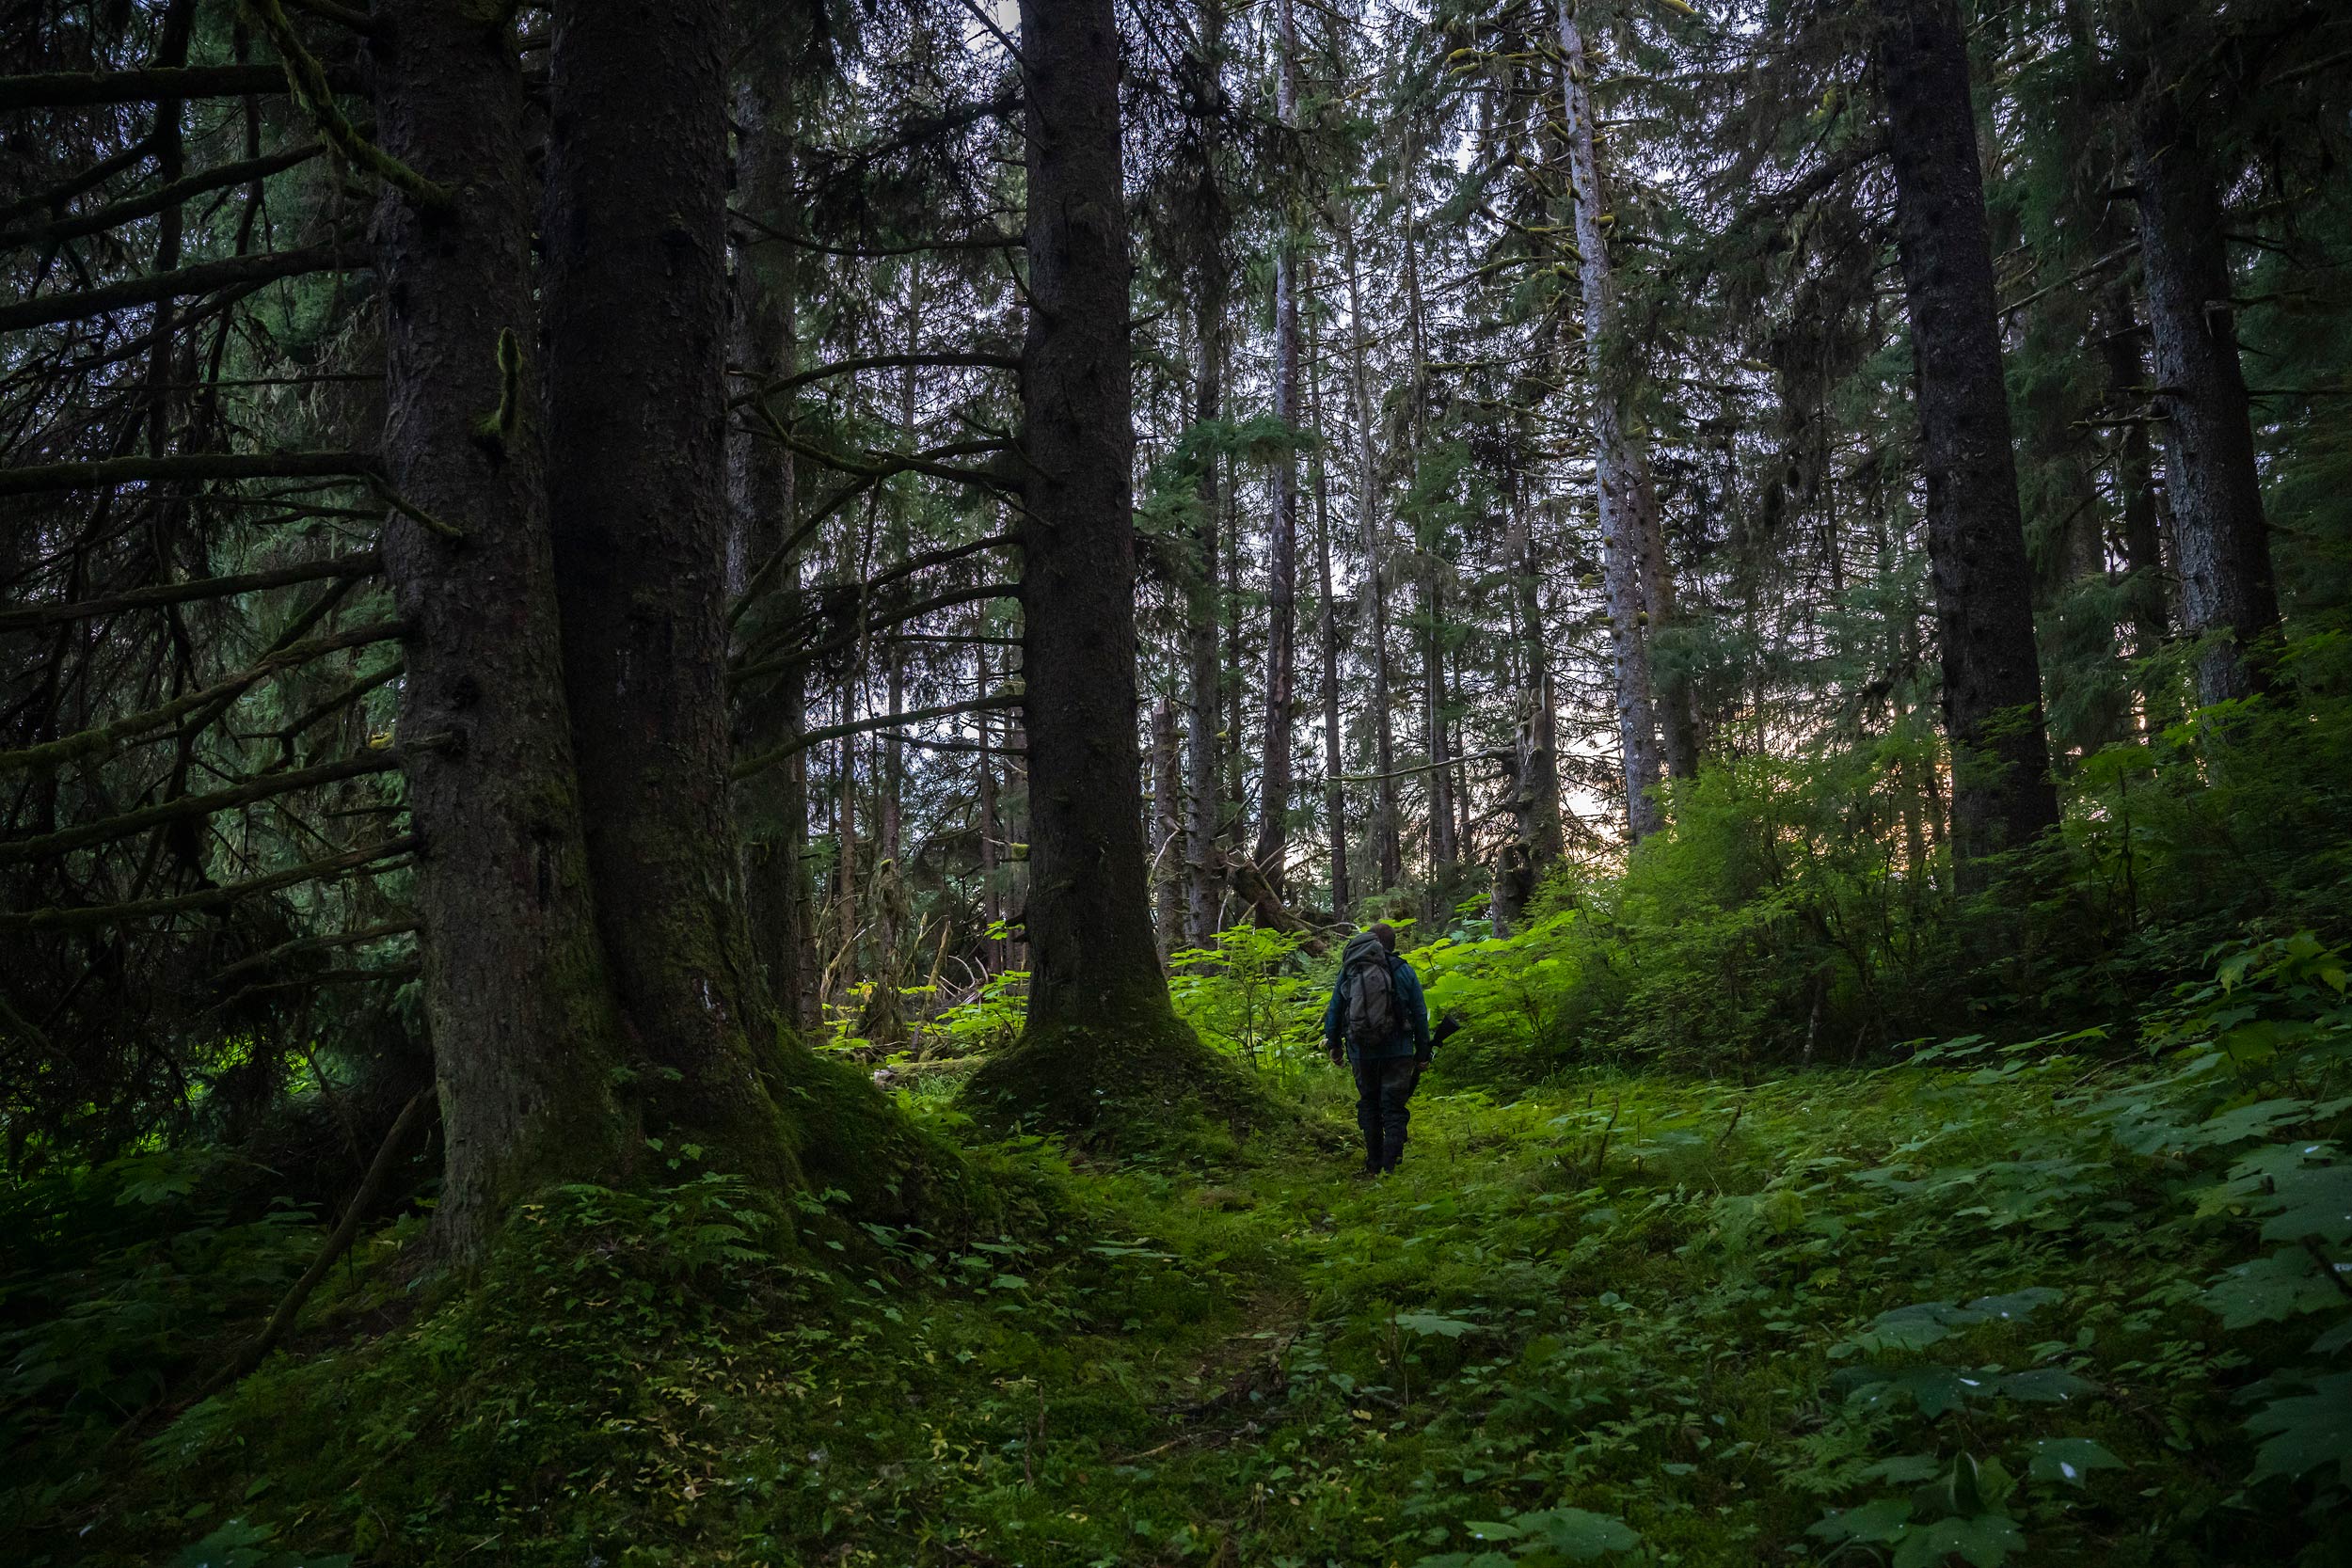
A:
x,y
1100,1026
773,805
636,327
525,1032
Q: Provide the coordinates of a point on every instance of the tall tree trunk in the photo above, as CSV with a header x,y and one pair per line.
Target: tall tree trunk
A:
x,y
1372,523
2136,493
525,1032
1204,757
1013,798
2210,478
1168,824
1678,717
1537,841
636,328
2002,796
771,806
1617,467
890,880
845,837
1273,849
1100,1032
1442,852
1334,759
991,895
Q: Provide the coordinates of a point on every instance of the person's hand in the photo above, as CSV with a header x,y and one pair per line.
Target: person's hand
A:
x,y
1336,1054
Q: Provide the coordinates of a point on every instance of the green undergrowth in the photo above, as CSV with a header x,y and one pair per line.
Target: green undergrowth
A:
x,y
2026,1303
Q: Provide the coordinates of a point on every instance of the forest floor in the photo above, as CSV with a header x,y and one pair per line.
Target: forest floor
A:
x,y
1933,1312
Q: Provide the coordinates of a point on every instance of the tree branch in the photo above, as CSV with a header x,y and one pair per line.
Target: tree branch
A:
x,y
87,915
101,741
74,225
201,278
878,362
74,90
348,1231
762,761
360,564
16,851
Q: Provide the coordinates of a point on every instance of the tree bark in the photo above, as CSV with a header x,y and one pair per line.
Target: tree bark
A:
x,y
2002,796
1538,840
1334,759
2135,482
1273,849
1372,523
1618,472
1442,850
2227,587
636,328
1168,826
526,1036
1100,1026
991,895
771,808
1204,755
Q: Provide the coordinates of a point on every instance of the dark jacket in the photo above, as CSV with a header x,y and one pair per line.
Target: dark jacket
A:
x,y
1412,1041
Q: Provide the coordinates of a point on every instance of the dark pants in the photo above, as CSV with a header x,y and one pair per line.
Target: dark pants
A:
x,y
1382,1089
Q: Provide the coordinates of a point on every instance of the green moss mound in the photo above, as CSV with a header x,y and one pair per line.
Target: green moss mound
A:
x,y
853,1139
1144,1084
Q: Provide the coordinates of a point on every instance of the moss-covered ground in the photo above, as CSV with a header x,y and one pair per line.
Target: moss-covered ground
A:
x,y
1972,1309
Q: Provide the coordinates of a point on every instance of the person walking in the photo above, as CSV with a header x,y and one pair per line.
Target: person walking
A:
x,y
1380,1019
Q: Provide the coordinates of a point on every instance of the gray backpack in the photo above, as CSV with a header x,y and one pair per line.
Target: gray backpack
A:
x,y
1372,1016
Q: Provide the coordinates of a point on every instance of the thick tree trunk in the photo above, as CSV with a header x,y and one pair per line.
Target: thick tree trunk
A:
x,y
636,329
1282,657
2002,796
526,1038
771,806
2227,588
1101,1034
1371,522
1617,467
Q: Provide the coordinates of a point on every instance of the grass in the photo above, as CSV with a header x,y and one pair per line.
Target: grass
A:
x,y
1641,1319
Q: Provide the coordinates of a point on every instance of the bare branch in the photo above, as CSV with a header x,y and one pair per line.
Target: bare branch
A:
x,y
88,915
360,564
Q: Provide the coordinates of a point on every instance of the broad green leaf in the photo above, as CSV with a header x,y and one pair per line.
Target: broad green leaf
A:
x,y
2044,1386
1880,1519
1985,1541
2305,1432
2070,1459
1577,1535
2270,1289
2314,1201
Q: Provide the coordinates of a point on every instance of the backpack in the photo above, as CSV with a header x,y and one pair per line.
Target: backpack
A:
x,y
1372,1016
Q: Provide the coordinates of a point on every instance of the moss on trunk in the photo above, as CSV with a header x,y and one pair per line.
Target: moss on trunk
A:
x,y
1124,1078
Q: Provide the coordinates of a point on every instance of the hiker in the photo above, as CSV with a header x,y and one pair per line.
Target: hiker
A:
x,y
1377,1009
